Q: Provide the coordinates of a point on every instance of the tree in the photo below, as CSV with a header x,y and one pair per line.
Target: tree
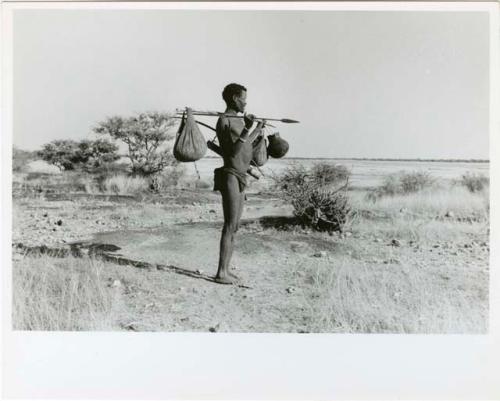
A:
x,y
92,155
145,136
86,154
60,153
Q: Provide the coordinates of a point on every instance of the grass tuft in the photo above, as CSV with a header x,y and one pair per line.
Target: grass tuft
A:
x,y
474,182
125,185
62,294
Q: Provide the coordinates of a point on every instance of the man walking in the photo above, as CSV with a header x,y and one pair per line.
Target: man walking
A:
x,y
236,143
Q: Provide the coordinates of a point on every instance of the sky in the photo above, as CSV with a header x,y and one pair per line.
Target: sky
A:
x,y
375,84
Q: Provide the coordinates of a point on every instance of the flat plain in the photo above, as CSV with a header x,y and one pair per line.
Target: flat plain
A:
x,y
406,263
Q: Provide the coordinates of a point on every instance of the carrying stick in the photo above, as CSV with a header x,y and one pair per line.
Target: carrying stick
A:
x,y
220,114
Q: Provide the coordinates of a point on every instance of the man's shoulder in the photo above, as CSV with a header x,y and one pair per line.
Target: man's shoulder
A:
x,y
223,122
235,122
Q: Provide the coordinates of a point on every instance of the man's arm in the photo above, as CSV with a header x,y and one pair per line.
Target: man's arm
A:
x,y
245,136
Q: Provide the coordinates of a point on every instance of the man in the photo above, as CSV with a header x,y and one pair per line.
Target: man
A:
x,y
235,141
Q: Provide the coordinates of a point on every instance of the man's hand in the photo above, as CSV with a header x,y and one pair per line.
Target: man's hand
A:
x,y
249,120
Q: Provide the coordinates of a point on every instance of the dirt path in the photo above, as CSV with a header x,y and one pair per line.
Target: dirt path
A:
x,y
262,261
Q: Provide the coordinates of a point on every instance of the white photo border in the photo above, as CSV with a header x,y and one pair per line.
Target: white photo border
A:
x,y
111,365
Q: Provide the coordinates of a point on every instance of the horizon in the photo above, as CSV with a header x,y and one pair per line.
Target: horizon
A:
x,y
452,160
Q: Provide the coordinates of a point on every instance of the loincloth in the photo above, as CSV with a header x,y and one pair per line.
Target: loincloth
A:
x,y
220,175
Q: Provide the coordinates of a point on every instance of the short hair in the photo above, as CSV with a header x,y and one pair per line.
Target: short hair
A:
x,y
231,90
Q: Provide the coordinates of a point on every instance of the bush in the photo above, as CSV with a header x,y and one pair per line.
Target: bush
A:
x,y
87,183
402,183
93,155
168,178
415,181
474,182
390,185
125,185
318,195
325,174
85,155
60,153
20,159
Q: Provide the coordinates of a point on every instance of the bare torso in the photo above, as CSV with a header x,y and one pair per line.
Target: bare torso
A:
x,y
228,131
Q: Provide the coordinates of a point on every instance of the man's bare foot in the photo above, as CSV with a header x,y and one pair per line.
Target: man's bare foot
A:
x,y
233,276
227,278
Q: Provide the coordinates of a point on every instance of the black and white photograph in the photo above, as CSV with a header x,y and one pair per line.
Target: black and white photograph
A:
x,y
235,170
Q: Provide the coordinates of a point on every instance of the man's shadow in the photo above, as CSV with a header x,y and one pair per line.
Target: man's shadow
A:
x,y
108,252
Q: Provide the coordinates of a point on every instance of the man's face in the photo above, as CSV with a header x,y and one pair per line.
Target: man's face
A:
x,y
240,101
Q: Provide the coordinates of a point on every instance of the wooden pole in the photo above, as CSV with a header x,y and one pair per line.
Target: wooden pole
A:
x,y
219,114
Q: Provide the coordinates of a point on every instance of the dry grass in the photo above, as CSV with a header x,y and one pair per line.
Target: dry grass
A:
x,y
366,286
352,297
125,185
62,294
431,202
404,289
439,214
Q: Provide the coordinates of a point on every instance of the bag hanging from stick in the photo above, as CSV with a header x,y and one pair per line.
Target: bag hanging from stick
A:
x,y
277,147
260,151
190,144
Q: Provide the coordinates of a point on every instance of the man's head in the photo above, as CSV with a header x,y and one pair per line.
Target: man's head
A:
x,y
235,96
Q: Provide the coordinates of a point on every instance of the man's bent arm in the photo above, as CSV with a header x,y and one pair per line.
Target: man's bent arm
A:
x,y
244,136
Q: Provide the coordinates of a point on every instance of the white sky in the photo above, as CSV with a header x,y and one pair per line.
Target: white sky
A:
x,y
363,84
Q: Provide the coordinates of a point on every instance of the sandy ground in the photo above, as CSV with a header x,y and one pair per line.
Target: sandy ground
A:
x,y
294,277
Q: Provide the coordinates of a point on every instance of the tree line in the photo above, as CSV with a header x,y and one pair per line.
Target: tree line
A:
x,y
145,135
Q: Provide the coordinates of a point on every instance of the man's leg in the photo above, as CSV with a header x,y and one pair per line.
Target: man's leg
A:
x,y
231,205
240,212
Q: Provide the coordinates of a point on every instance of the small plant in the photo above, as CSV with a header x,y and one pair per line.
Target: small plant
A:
x,y
168,178
474,182
124,185
318,195
415,181
328,174
402,183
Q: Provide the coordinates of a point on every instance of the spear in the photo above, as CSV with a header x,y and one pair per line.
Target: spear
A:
x,y
219,114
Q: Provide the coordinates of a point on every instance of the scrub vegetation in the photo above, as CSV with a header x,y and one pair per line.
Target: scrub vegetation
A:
x,y
408,256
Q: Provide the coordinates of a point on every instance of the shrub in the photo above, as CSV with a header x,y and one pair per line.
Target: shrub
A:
x,y
94,155
85,155
474,182
415,181
318,195
125,185
168,178
87,183
60,153
402,183
390,185
327,174
20,159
